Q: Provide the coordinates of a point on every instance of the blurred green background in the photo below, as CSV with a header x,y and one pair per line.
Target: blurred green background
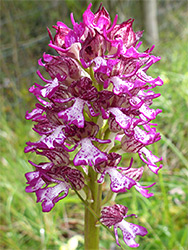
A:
x,y
23,40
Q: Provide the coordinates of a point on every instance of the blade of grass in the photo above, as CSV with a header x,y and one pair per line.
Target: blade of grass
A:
x,y
175,150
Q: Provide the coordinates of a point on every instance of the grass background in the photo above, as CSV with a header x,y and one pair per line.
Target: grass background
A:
x,y
23,225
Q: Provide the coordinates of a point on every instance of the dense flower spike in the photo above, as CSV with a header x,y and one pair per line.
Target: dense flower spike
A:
x,y
97,92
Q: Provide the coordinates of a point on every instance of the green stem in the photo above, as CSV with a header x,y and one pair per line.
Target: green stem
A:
x,y
91,231
94,214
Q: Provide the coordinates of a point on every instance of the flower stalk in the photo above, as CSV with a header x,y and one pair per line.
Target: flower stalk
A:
x,y
91,229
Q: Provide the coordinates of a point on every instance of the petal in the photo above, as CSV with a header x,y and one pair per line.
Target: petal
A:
x,y
143,190
130,231
58,156
74,114
133,53
50,88
129,144
74,176
119,182
151,160
88,16
143,108
91,110
34,180
93,47
90,130
34,114
63,67
145,138
134,173
83,89
70,38
44,165
44,127
99,20
121,86
56,138
123,120
49,196
153,81
114,159
89,154
111,215
102,19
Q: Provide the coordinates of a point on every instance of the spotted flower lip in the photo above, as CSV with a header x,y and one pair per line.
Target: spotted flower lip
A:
x,y
49,196
88,154
120,183
114,216
74,114
49,141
